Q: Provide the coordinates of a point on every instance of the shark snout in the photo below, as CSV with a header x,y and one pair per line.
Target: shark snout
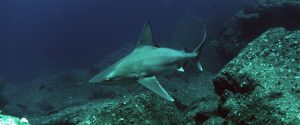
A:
x,y
93,81
97,80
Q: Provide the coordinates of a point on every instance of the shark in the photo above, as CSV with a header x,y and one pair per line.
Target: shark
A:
x,y
146,62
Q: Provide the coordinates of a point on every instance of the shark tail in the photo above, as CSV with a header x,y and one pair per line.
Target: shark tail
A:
x,y
198,49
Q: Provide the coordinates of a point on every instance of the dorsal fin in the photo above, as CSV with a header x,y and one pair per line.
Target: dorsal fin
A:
x,y
146,37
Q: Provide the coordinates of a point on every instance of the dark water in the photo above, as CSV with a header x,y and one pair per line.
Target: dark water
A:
x,y
56,35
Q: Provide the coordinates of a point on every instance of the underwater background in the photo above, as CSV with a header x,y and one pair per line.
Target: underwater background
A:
x,y
51,36
50,49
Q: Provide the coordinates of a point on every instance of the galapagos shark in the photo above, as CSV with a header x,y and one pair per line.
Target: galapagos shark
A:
x,y
146,62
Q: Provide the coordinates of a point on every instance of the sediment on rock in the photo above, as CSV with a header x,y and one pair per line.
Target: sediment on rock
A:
x,y
261,85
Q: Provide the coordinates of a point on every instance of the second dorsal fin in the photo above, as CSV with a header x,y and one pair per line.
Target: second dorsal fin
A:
x,y
146,36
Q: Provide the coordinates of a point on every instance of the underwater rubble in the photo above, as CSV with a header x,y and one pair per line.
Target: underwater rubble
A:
x,y
262,84
60,100
255,19
135,110
55,108
10,120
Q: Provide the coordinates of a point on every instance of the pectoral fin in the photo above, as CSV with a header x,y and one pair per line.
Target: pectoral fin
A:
x,y
199,66
180,69
152,84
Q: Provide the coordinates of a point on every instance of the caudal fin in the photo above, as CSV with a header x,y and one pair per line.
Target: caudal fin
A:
x,y
198,49
200,46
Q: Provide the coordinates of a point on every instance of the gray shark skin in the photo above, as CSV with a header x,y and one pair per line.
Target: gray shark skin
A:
x,y
146,62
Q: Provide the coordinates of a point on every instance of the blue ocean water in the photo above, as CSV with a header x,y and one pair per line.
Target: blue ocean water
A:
x,y
53,35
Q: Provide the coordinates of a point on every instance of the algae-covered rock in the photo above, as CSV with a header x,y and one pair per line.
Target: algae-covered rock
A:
x,y
10,120
137,110
214,121
255,19
262,84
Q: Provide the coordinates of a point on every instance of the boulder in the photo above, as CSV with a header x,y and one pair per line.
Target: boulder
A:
x,y
255,19
138,110
262,84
